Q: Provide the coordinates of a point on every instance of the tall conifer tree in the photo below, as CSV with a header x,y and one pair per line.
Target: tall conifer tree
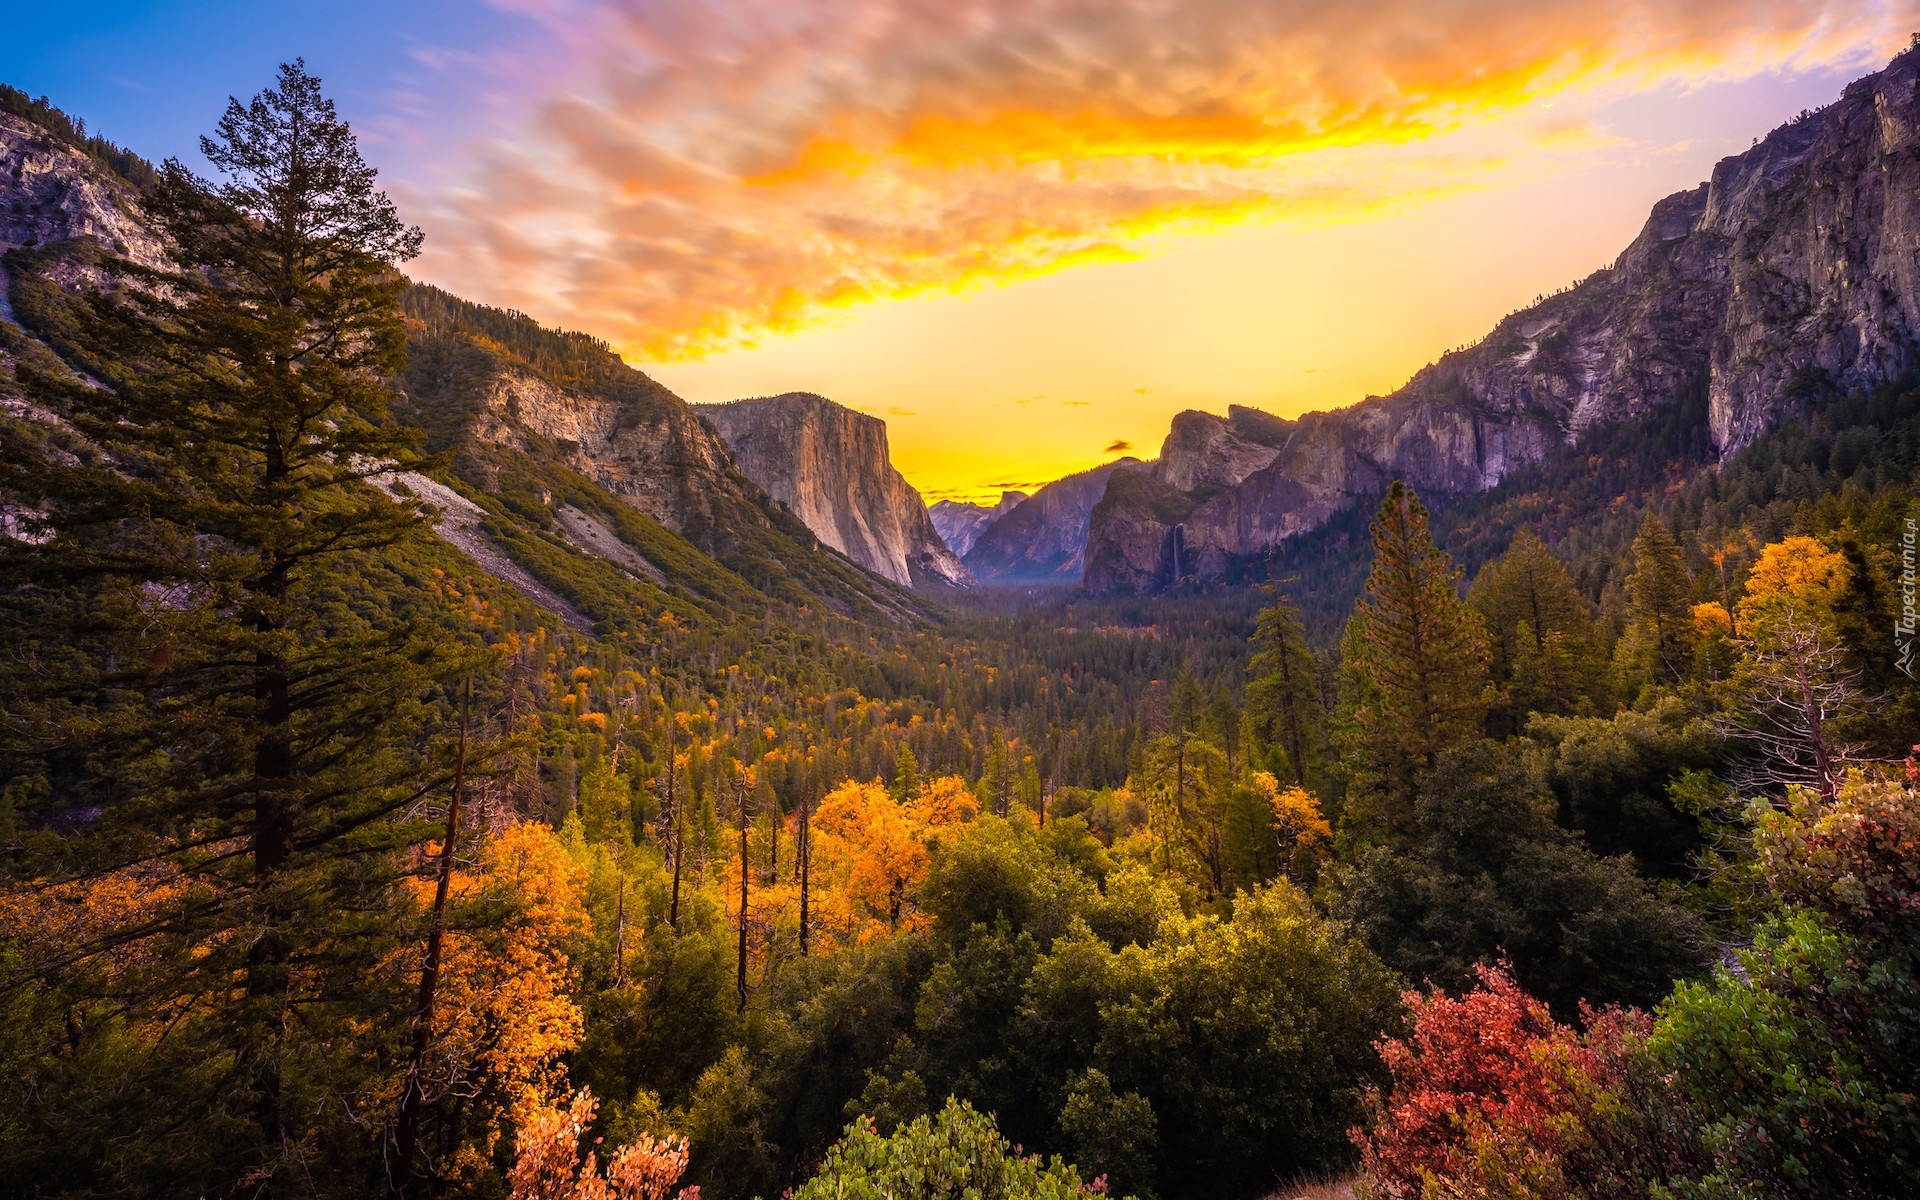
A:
x,y
1414,667
225,713
1539,627
1661,593
1283,705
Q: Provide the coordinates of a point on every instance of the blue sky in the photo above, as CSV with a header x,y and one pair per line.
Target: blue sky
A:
x,y
152,76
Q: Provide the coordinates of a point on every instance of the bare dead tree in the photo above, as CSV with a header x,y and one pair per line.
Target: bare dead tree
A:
x,y
403,1176
741,792
1790,690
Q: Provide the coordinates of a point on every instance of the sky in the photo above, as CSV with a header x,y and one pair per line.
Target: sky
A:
x,y
1025,233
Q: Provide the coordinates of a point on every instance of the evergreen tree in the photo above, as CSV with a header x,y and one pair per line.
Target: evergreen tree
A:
x,y
1283,707
1539,627
1413,667
1223,726
196,525
1186,704
906,774
995,788
1661,594
1485,873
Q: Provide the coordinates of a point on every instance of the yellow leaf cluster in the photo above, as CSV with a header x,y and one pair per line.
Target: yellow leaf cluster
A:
x,y
1712,619
505,1000
946,801
46,918
1306,838
1799,567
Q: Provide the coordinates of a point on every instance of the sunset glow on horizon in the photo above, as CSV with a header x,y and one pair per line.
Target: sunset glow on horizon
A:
x,y
1027,233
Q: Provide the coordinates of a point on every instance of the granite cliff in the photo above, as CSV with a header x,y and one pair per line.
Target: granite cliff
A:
x,y
1797,261
829,465
1044,537
513,401
960,525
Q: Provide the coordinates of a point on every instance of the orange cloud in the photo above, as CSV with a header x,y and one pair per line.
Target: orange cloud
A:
x,y
713,171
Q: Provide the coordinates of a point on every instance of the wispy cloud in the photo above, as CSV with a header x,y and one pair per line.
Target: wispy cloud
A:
x,y
1118,446
709,171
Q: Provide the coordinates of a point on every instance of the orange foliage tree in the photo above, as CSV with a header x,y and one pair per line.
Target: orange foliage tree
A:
x,y
547,1163
506,1015
877,844
1305,837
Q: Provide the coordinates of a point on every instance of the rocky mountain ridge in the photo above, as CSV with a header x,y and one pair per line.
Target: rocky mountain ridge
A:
x,y
960,525
1798,260
514,400
520,408
831,467
1043,539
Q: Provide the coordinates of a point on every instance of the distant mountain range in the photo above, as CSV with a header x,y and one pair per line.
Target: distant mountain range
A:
x,y
1043,539
960,524
1792,272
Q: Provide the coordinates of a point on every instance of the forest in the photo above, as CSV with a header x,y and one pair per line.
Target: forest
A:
x,y
1556,842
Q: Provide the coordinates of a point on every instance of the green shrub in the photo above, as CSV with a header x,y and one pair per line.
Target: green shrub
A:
x,y
957,1153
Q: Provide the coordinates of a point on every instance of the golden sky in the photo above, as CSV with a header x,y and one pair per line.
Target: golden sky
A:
x,y
1027,231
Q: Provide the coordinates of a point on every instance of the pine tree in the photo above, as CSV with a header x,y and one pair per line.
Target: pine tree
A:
x,y
996,783
1186,704
196,533
1283,706
1661,594
1540,629
1413,667
906,774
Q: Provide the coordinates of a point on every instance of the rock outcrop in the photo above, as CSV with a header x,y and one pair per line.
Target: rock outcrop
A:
x,y
1044,538
615,425
960,525
829,465
50,192
506,396
1796,264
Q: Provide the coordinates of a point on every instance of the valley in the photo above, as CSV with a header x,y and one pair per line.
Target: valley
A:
x,y
437,759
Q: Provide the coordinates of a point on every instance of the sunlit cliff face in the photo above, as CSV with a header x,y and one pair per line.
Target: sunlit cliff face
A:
x,y
702,175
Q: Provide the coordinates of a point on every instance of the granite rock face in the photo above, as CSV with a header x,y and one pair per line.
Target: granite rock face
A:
x,y
1798,260
614,425
960,525
829,465
1043,539
50,192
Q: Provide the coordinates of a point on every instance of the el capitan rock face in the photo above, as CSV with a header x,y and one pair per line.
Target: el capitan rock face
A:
x,y
1799,258
614,425
830,466
1044,537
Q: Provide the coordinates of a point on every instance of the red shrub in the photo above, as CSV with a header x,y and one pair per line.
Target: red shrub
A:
x,y
1493,1097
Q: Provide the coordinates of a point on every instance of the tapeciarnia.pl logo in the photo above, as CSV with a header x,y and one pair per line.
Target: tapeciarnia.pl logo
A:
x,y
1909,621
